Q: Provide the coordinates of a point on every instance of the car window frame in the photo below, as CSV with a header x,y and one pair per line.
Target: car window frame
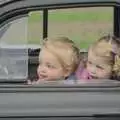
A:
x,y
10,15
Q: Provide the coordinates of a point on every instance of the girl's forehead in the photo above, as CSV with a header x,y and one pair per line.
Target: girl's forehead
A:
x,y
48,56
97,59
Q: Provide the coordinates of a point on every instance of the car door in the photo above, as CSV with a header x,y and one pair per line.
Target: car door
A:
x,y
23,25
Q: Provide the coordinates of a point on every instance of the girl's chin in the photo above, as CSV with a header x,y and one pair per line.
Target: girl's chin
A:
x,y
45,79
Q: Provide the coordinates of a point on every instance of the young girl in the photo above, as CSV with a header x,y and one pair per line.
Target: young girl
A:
x,y
103,60
58,60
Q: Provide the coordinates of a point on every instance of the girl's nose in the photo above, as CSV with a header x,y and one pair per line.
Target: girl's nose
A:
x,y
41,69
93,70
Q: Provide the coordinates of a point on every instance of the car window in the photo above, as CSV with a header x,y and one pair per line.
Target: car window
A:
x,y
16,38
21,38
83,25
13,39
35,27
12,36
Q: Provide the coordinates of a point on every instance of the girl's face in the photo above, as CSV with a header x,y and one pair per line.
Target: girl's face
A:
x,y
49,67
97,67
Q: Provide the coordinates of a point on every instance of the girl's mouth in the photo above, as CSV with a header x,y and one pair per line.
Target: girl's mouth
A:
x,y
93,77
41,76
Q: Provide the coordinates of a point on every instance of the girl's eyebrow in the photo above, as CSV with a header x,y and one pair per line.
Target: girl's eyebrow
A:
x,y
99,66
48,63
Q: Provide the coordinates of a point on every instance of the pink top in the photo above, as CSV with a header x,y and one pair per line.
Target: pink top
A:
x,y
82,73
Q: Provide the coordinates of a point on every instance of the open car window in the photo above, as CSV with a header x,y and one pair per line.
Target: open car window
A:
x,y
21,37
82,25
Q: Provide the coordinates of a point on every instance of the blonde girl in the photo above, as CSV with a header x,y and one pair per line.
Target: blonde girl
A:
x,y
103,60
58,60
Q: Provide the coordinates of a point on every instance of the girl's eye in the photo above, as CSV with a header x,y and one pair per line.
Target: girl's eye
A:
x,y
100,67
50,66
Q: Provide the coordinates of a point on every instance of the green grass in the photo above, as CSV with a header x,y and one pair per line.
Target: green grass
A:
x,y
84,42
83,16
80,16
102,15
35,16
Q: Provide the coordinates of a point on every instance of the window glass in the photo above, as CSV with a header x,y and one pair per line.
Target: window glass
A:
x,y
35,27
14,33
16,37
13,52
83,25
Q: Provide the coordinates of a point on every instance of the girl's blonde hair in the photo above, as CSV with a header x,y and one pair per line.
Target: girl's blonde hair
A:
x,y
65,51
108,48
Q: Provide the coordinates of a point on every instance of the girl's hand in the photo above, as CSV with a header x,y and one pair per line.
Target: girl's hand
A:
x,y
29,82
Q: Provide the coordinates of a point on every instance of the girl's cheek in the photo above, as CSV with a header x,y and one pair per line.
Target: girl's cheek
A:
x,y
102,72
